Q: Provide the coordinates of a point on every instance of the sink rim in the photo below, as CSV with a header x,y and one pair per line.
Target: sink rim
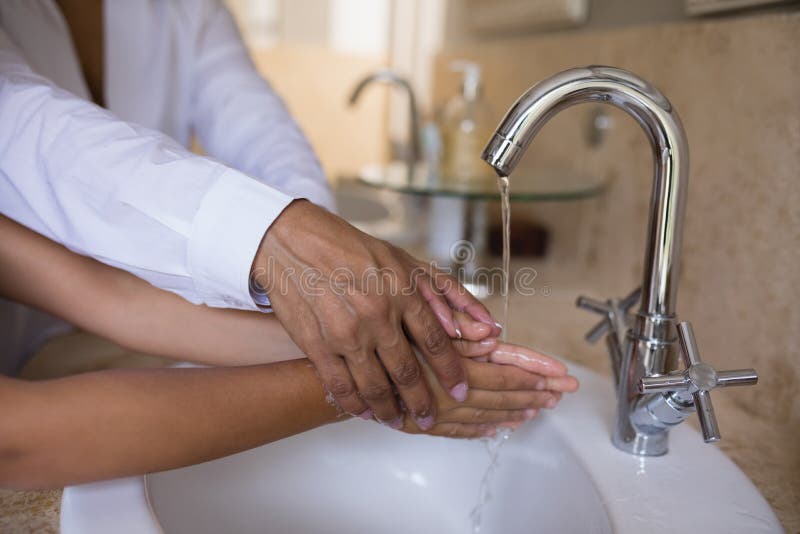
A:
x,y
627,485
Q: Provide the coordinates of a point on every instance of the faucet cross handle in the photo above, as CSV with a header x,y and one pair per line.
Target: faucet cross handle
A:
x,y
697,380
615,311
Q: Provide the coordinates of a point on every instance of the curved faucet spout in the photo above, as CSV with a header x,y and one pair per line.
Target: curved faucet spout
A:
x,y
664,130
652,334
390,77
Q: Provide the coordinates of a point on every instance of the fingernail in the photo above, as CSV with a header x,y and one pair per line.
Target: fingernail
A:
x,y
530,413
488,342
425,423
459,392
551,402
458,330
397,424
366,415
498,325
485,318
540,385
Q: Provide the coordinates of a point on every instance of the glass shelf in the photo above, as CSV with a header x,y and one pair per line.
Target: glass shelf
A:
x,y
553,186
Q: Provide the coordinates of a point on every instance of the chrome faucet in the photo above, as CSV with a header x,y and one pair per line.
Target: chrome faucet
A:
x,y
412,152
649,400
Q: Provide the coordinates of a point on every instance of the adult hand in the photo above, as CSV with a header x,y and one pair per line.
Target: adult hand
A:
x,y
354,304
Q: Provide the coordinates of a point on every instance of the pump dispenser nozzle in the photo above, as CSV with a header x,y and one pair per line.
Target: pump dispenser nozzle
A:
x,y
471,85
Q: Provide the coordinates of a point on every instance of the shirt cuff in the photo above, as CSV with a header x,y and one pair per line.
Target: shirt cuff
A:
x,y
259,296
227,230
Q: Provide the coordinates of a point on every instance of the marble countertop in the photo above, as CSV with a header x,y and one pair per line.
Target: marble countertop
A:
x,y
29,511
768,453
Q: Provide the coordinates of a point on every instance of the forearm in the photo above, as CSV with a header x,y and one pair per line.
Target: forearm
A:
x,y
124,422
157,322
121,307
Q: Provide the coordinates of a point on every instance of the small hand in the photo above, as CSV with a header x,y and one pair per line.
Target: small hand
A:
x,y
509,386
552,371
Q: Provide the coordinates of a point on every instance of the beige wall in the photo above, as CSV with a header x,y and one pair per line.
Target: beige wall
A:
x,y
602,14
315,83
736,85
314,52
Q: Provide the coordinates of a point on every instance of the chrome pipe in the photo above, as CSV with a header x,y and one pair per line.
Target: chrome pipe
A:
x,y
388,76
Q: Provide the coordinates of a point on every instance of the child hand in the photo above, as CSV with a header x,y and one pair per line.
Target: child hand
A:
x,y
477,344
506,389
552,372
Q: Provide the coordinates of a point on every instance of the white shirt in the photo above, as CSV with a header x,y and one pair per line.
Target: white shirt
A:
x,y
119,184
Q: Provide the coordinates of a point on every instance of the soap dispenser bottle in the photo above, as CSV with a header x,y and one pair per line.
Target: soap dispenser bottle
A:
x,y
466,127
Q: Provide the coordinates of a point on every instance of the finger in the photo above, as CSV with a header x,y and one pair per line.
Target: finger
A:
x,y
528,359
552,403
490,376
459,298
335,376
463,430
374,388
563,384
474,349
512,425
435,346
452,430
464,414
510,400
470,328
439,307
405,372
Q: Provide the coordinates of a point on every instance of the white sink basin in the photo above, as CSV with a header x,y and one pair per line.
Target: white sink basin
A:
x,y
560,473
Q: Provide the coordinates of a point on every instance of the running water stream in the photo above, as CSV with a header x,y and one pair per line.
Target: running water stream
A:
x,y
494,444
505,206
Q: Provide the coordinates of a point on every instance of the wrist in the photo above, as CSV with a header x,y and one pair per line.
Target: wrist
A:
x,y
263,269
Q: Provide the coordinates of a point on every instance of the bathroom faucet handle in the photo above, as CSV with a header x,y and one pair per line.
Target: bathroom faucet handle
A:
x,y
615,313
697,380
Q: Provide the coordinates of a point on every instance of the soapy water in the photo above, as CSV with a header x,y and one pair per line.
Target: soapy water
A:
x,y
495,443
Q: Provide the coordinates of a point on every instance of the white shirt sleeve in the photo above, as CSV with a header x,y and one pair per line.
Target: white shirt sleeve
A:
x,y
125,195
241,120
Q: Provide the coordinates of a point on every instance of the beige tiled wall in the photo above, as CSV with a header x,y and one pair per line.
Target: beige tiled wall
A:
x,y
736,85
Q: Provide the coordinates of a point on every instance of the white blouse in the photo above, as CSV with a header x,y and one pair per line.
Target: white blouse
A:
x,y
119,184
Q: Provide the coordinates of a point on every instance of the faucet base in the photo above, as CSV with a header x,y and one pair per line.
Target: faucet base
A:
x,y
652,417
643,444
